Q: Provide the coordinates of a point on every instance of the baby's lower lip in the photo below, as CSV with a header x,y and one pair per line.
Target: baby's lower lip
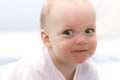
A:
x,y
80,51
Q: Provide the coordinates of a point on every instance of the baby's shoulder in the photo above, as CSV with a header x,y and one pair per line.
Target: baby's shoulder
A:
x,y
88,70
89,63
7,71
25,67
89,66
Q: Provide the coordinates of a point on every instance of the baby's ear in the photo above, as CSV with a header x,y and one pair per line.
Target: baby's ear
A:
x,y
45,38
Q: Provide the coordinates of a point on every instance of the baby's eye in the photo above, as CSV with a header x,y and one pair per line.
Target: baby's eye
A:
x,y
68,32
89,30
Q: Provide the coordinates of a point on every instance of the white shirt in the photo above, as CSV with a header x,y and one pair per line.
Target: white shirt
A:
x,y
41,67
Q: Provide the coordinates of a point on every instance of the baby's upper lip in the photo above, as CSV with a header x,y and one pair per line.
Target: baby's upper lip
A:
x,y
80,49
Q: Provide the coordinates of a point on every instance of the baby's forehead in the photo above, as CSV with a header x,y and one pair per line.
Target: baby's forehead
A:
x,y
61,4
64,9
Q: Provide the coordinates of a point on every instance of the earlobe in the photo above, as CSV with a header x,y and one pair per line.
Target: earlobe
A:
x,y
45,38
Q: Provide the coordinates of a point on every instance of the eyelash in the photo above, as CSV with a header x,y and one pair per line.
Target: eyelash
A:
x,y
88,30
68,32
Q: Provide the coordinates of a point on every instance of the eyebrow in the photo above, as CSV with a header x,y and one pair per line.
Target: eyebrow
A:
x,y
92,25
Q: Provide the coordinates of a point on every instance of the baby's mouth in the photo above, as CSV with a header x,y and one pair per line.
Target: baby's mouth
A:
x,y
80,51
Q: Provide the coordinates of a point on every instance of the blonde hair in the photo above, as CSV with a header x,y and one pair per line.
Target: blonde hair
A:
x,y
45,13
46,9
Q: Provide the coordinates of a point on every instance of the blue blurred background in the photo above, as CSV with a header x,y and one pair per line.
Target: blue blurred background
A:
x,y
19,15
20,28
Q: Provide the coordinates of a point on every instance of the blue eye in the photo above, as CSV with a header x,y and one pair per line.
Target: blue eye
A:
x,y
89,30
68,32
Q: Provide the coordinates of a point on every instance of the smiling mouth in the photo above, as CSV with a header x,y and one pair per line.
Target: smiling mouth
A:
x,y
80,51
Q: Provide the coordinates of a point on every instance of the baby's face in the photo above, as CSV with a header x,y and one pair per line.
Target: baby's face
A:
x,y
72,36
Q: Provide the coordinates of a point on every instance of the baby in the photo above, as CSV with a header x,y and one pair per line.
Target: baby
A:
x,y
68,32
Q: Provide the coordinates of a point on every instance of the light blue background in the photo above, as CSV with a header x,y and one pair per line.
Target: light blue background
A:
x,y
20,15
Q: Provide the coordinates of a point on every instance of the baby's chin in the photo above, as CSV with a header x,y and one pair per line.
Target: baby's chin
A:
x,y
80,61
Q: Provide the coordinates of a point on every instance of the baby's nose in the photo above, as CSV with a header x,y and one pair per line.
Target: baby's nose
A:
x,y
80,40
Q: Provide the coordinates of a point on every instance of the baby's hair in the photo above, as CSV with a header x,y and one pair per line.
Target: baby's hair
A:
x,y
46,11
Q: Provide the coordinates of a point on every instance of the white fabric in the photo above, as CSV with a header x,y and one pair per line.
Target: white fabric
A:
x,y
41,67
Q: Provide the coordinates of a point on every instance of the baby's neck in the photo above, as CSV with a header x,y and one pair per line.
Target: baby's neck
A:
x,y
68,71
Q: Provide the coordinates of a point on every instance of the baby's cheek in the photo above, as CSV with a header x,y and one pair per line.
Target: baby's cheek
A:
x,y
63,46
93,47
